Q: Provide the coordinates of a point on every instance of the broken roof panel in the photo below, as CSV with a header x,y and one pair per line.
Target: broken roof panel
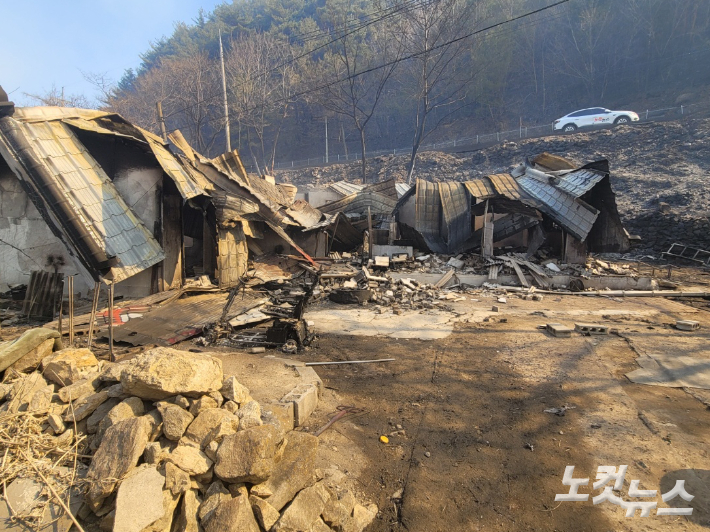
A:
x,y
359,202
506,185
428,215
553,162
344,188
93,198
574,215
481,188
402,189
456,207
580,182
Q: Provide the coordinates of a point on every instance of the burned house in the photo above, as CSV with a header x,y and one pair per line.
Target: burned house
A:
x,y
544,201
85,193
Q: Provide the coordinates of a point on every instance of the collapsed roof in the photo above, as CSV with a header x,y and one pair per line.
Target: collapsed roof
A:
x,y
580,201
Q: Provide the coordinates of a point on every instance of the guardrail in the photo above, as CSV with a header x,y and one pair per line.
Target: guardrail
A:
x,y
484,140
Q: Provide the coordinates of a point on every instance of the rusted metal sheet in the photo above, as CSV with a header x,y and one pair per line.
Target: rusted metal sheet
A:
x,y
481,188
506,185
232,256
44,295
231,208
456,207
553,162
181,319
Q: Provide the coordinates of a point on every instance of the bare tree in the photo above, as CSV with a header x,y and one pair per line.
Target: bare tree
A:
x,y
57,98
351,65
438,76
262,74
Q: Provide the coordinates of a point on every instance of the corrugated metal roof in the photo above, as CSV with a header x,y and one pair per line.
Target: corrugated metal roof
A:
x,y
456,206
344,188
481,188
575,217
185,183
402,189
359,202
506,185
428,215
93,197
44,113
580,182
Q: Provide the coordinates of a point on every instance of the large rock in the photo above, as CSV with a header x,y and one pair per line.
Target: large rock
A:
x,y
200,429
232,390
163,372
69,365
83,408
139,502
164,524
247,456
203,403
175,420
93,421
32,359
121,447
79,389
292,473
215,494
23,390
190,459
126,409
249,415
176,480
187,518
362,516
265,514
232,515
304,510
28,345
41,400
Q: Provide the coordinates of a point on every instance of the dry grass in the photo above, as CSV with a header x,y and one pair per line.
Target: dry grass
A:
x,y
53,462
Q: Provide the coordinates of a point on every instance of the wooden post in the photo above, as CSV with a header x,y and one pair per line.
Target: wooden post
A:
x,y
161,120
110,322
94,305
71,310
369,229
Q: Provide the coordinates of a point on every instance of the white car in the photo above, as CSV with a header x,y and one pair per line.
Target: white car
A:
x,y
594,116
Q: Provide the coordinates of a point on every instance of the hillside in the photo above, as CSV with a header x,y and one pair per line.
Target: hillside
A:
x,y
650,163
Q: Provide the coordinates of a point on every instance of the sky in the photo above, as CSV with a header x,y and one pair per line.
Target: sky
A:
x,y
50,42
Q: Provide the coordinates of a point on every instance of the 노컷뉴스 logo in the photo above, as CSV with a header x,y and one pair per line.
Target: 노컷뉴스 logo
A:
x,y
608,474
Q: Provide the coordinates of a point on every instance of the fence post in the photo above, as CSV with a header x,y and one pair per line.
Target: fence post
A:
x,y
497,137
476,139
646,114
681,109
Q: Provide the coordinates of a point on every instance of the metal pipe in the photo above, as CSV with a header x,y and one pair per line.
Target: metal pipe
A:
x,y
348,362
110,322
94,305
71,310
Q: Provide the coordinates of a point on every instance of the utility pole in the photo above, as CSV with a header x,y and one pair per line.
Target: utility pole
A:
x,y
326,140
224,94
161,120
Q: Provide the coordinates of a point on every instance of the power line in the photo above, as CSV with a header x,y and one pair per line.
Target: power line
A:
x,y
412,55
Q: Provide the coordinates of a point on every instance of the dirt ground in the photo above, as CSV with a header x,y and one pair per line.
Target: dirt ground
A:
x,y
478,452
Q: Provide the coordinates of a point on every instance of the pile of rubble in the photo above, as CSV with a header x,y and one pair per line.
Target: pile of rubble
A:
x,y
160,442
